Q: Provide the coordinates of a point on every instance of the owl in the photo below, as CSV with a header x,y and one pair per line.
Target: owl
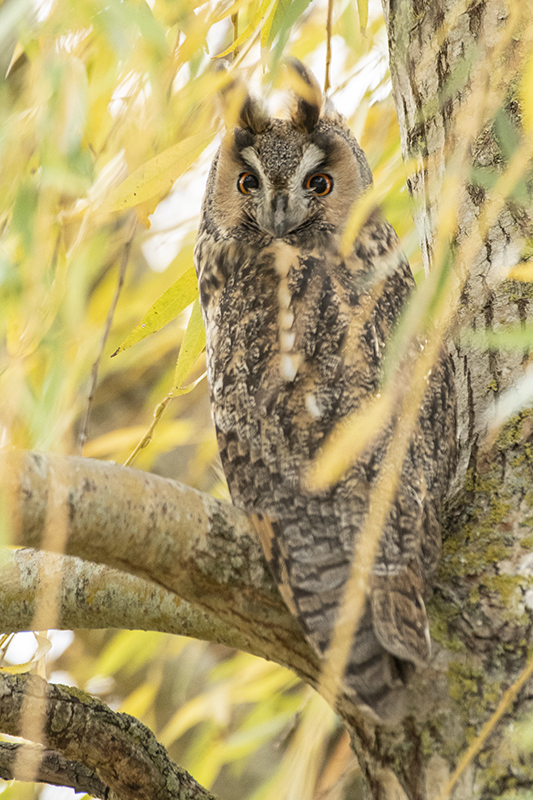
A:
x,y
296,342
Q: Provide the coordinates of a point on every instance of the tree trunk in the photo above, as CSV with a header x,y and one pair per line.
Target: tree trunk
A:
x,y
456,69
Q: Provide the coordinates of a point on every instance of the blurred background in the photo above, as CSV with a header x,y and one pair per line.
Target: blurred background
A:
x,y
90,90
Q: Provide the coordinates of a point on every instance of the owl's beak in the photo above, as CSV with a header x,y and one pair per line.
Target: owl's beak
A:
x,y
280,222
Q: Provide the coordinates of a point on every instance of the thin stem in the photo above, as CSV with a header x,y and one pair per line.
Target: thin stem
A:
x,y
327,82
145,441
109,321
478,743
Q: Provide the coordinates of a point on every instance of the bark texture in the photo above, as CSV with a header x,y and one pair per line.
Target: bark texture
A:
x,y
180,544
455,70
88,746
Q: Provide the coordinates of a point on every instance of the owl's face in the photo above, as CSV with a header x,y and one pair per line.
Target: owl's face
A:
x,y
286,179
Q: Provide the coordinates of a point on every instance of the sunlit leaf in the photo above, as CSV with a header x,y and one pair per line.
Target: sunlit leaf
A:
x,y
128,649
349,440
263,10
522,272
177,297
288,16
110,444
267,25
140,700
526,97
362,10
192,346
158,175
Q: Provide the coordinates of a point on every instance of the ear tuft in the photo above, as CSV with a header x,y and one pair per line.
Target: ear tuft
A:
x,y
307,101
252,115
237,108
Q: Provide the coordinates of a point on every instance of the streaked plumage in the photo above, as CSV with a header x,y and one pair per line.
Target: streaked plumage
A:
x,y
296,337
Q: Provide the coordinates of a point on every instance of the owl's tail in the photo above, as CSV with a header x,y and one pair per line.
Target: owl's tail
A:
x,y
374,677
392,633
392,638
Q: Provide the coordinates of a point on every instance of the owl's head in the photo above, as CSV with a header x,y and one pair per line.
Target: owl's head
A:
x,y
286,179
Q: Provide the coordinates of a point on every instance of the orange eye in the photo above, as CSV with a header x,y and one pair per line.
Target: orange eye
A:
x,y
320,183
247,183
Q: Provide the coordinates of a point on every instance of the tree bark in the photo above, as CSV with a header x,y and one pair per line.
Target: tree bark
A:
x,y
181,546
89,746
455,69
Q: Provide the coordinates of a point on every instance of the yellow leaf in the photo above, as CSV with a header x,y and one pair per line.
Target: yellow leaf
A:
x,y
17,669
348,441
229,11
522,271
267,26
192,346
141,700
362,10
109,444
527,97
157,175
261,12
177,297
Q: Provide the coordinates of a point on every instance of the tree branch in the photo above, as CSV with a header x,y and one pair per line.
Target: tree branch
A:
x,y
121,752
53,768
96,596
189,544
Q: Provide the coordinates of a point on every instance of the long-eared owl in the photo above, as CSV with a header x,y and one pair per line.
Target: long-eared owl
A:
x,y
296,341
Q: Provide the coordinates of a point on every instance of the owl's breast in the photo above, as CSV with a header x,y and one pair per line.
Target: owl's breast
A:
x,y
288,356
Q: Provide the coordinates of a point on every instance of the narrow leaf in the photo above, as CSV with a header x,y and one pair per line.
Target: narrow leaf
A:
x,y
177,297
267,27
250,28
157,175
192,346
362,10
527,97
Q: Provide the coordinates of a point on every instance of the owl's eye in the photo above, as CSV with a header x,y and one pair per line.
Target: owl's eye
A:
x,y
247,183
320,183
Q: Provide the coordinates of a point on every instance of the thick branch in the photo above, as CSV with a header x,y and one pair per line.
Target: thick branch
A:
x,y
53,768
95,596
121,751
191,545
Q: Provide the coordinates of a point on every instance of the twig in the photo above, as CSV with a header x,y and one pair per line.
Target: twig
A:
x,y
145,441
121,751
327,82
235,23
109,321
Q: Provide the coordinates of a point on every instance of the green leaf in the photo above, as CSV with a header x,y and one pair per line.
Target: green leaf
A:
x,y
192,346
177,297
158,175
290,13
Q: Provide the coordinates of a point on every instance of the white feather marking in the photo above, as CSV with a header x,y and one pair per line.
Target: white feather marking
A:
x,y
286,319
312,406
286,340
284,296
289,366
